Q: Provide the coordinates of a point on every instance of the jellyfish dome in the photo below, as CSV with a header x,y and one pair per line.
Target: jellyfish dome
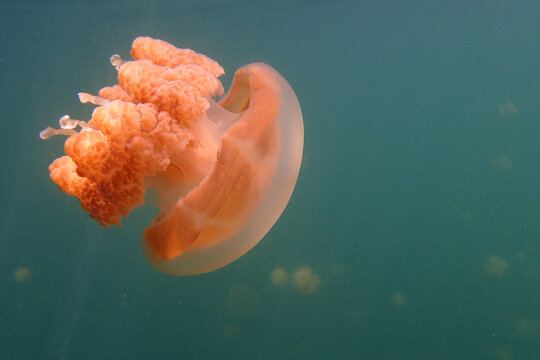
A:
x,y
220,173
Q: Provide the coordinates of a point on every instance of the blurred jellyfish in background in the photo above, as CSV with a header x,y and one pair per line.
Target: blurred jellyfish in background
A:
x,y
502,163
495,265
230,330
520,256
502,354
279,276
305,280
528,328
242,302
399,299
22,274
506,108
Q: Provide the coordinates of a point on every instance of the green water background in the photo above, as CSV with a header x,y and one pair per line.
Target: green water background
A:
x,y
422,128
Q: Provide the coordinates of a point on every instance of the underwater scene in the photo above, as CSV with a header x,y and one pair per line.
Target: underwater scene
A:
x,y
312,180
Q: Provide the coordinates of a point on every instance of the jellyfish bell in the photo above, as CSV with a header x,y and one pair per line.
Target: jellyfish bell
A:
x,y
246,192
221,172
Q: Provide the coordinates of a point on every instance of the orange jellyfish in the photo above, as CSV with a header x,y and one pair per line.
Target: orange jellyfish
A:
x,y
220,173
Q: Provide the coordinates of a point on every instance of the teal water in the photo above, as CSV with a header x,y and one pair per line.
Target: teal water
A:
x,y
417,203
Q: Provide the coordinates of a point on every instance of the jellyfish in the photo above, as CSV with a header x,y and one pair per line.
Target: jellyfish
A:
x,y
219,172
305,280
242,302
279,276
399,299
506,108
528,328
495,265
22,274
502,163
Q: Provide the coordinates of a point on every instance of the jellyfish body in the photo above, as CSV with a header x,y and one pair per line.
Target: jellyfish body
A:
x,y
221,173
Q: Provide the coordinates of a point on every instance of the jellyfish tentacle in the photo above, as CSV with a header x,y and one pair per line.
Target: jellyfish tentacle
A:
x,y
96,100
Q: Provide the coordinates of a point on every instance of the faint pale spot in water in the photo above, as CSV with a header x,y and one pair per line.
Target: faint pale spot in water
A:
x,y
279,276
520,256
230,330
502,354
466,215
399,299
528,328
242,302
506,108
305,280
495,265
337,269
22,274
501,163
305,162
357,314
